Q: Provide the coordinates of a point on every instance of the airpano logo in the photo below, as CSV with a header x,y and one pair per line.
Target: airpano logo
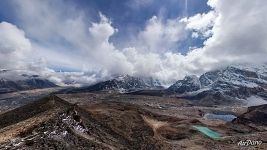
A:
x,y
249,143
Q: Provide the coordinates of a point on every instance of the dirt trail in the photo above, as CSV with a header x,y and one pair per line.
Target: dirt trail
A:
x,y
154,124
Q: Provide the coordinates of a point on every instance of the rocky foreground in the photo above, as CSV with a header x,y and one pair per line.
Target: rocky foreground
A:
x,y
118,121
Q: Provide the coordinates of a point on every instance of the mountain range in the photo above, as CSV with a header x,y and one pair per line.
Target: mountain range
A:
x,y
124,116
11,81
238,84
123,84
241,84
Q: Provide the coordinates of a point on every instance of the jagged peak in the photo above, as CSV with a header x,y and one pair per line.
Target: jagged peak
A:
x,y
234,82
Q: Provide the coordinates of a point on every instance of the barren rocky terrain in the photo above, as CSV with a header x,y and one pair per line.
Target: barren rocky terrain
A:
x,y
9,101
103,120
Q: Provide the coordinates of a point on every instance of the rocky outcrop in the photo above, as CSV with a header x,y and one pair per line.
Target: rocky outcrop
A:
x,y
188,84
254,114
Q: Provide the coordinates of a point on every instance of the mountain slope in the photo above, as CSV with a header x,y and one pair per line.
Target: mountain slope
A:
x,y
188,84
99,121
234,84
11,81
58,124
122,84
254,114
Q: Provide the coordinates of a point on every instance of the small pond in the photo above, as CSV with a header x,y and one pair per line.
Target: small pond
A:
x,y
208,132
223,117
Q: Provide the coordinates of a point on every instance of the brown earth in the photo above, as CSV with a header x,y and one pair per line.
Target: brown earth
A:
x,y
116,121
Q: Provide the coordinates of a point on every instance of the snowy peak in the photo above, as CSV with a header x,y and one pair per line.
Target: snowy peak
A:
x,y
235,76
129,82
188,84
124,83
233,83
138,81
232,75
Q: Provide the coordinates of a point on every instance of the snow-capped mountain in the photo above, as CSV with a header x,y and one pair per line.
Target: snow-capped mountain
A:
x,y
239,84
11,81
124,83
188,84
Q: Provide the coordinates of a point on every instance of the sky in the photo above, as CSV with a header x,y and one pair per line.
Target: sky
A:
x,y
90,40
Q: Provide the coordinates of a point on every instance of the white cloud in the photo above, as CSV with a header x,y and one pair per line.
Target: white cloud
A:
x,y
101,31
235,30
238,35
159,36
239,32
200,23
14,46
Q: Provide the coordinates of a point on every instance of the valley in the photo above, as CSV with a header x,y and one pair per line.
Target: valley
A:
x,y
11,100
218,110
101,120
133,75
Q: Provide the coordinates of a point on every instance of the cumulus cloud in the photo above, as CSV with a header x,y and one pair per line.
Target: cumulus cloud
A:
x,y
101,31
159,36
239,32
14,46
238,35
235,32
200,24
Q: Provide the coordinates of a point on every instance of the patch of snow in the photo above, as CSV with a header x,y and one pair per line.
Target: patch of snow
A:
x,y
193,93
79,128
244,83
255,100
73,124
64,133
120,78
122,90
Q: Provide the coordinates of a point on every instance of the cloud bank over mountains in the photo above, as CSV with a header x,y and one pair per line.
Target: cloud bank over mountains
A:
x,y
57,34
